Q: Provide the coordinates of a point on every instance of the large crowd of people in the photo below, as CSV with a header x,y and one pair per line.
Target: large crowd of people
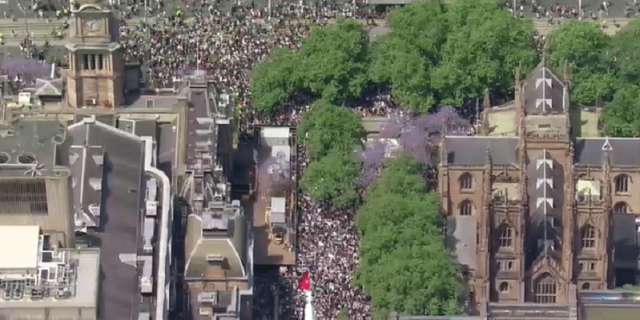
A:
x,y
225,47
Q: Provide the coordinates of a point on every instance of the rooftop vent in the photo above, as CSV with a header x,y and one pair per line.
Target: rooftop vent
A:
x,y
26,158
4,157
58,138
215,258
148,103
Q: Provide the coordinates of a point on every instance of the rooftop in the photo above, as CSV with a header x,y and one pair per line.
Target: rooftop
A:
x,y
30,147
84,295
19,247
119,226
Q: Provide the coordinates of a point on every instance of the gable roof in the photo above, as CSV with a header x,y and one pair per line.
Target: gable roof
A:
x,y
624,151
48,87
544,92
463,150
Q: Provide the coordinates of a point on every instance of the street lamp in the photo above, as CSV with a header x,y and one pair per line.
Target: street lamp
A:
x,y
26,20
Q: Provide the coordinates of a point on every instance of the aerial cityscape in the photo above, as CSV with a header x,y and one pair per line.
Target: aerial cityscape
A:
x,y
326,159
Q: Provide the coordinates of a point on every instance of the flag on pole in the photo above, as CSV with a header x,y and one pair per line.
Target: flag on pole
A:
x,y
305,282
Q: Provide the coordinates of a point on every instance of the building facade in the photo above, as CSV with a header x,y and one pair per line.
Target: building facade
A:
x,y
531,213
96,60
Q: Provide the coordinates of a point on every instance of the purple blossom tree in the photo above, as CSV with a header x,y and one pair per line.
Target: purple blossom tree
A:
x,y
417,135
27,68
274,174
372,160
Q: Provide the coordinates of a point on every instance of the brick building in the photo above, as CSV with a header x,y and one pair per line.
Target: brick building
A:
x,y
531,211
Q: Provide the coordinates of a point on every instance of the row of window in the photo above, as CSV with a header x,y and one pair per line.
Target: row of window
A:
x,y
93,62
466,208
545,290
621,182
588,236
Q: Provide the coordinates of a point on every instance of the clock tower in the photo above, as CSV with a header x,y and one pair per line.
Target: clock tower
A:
x,y
96,62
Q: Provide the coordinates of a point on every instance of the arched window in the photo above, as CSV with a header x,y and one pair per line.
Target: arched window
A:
x,y
620,207
506,236
466,208
621,183
546,289
588,237
586,286
466,181
504,287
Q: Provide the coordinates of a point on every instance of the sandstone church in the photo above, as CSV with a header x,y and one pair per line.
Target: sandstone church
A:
x,y
540,207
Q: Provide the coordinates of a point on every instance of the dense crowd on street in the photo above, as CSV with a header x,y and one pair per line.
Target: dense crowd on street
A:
x,y
225,47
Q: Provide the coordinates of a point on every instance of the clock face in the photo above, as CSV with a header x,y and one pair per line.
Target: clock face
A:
x,y
92,24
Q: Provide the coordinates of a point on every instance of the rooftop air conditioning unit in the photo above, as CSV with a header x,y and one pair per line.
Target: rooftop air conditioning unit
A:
x,y
215,258
205,312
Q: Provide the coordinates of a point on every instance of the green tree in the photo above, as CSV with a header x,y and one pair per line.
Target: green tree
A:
x,y
332,63
621,117
450,53
404,266
406,55
272,81
332,178
625,48
327,127
585,48
485,46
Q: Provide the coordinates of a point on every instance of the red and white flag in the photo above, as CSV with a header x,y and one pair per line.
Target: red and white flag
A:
x,y
305,282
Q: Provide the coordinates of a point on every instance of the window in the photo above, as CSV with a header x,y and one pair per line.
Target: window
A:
x,y
622,183
506,236
505,265
85,61
586,286
620,207
504,287
545,289
466,208
100,62
466,181
588,237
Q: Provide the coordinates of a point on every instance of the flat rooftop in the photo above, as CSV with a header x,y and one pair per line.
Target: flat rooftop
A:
x,y
19,247
88,275
30,145
266,250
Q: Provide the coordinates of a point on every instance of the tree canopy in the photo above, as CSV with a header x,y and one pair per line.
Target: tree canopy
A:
x,y
333,177
404,266
586,50
331,135
450,53
605,70
326,127
331,64
622,115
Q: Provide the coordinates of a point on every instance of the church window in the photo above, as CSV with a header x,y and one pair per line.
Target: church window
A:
x,y
586,286
546,289
466,181
506,236
620,207
466,208
504,287
588,237
622,183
